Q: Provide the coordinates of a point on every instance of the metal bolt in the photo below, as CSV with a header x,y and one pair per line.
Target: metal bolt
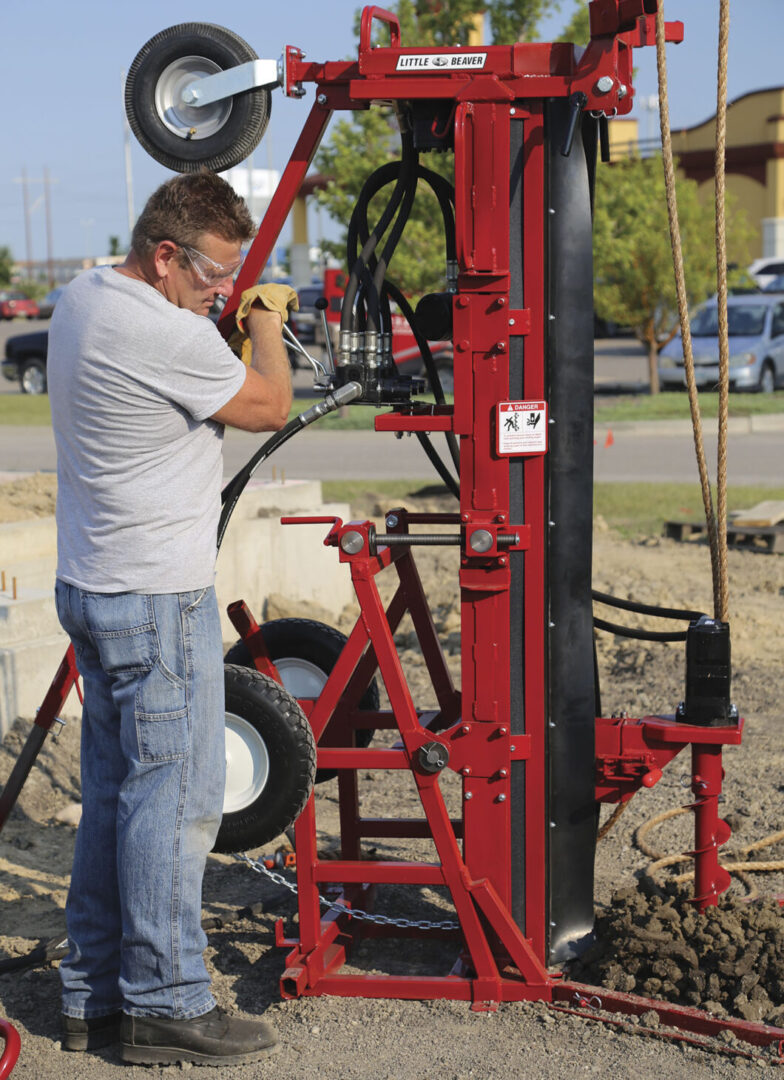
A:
x,y
503,773
500,346
462,301
551,524
503,560
604,85
466,728
551,625
552,824
321,99
511,322
391,521
512,748
469,795
352,542
502,731
551,318
551,210
466,770
513,112
622,91
500,798
481,541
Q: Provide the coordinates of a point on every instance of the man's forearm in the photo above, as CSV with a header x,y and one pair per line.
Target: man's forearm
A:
x,y
270,356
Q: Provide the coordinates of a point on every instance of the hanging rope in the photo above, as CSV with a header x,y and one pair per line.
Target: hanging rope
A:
x,y
714,526
722,606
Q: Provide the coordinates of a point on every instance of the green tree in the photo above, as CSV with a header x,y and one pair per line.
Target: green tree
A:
x,y
634,283
370,139
6,264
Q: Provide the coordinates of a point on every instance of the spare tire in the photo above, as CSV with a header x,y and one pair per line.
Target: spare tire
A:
x,y
184,137
270,761
305,652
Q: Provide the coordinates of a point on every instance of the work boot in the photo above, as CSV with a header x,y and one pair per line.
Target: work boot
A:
x,y
212,1039
89,1033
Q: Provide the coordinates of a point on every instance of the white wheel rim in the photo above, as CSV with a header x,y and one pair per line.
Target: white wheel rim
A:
x,y
301,678
33,380
187,121
247,764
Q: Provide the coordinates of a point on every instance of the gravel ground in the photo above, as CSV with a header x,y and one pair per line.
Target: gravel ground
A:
x,y
348,1038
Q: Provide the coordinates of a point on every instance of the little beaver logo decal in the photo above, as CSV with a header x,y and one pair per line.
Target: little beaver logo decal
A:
x,y
441,61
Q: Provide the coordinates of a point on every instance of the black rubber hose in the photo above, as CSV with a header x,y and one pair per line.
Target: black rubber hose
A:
x,y
231,493
359,267
430,366
645,609
437,462
640,635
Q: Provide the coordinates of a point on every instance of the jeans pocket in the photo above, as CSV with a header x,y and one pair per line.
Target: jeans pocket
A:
x,y
162,736
122,628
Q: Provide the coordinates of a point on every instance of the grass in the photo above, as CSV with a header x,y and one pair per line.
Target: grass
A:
x,y
28,409
33,410
673,406
633,510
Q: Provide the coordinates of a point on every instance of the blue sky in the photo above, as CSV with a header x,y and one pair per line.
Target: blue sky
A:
x,y
61,66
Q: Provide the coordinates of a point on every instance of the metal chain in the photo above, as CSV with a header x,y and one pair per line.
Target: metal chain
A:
x,y
355,913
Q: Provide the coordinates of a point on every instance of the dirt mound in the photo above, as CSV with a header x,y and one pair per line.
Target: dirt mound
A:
x,y
29,497
729,960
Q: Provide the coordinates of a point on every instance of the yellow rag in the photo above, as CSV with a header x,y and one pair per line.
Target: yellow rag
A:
x,y
280,298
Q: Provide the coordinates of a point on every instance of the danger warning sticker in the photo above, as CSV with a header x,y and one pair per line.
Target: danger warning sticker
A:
x,y
521,427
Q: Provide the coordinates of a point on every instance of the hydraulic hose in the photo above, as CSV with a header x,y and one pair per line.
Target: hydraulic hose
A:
x,y
231,493
349,313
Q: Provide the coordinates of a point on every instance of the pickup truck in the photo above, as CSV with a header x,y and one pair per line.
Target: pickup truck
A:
x,y
25,361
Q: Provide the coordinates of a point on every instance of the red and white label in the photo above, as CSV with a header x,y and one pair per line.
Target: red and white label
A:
x,y
521,427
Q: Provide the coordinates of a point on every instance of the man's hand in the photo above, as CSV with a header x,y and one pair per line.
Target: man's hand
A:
x,y
280,298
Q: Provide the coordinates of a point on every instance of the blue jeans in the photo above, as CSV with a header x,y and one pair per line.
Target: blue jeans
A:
x,y
153,773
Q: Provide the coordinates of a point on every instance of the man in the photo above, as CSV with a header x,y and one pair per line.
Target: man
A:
x,y
140,385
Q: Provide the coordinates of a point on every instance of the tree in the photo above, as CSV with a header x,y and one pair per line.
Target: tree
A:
x,y
370,139
6,265
634,283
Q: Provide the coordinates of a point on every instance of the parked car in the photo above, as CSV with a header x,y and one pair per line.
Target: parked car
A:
x,y
764,270
756,337
25,361
776,284
46,306
14,303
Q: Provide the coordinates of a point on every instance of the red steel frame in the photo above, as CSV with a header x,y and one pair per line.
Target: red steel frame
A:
x,y
497,960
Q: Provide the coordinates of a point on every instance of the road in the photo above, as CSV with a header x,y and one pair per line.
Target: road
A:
x,y
648,452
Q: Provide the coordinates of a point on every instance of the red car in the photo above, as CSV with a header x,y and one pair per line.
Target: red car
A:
x,y
13,303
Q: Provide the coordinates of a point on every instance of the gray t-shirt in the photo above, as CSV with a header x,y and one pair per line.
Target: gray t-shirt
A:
x,y
132,382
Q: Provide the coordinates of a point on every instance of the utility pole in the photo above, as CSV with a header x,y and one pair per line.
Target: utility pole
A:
x,y
26,204
47,181
48,212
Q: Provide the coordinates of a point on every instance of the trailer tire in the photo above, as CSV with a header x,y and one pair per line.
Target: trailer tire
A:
x,y
183,137
305,652
270,761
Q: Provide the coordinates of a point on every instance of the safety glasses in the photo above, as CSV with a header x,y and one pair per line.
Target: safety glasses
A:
x,y
208,271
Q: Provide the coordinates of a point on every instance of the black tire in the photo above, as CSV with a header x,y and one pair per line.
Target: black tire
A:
x,y
230,129
263,724
32,377
293,642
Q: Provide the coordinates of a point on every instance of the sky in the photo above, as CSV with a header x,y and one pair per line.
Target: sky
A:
x,y
62,64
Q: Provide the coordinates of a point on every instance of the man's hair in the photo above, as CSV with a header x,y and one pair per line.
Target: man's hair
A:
x,y
186,207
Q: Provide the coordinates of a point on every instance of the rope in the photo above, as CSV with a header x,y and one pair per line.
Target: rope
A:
x,y
721,602
611,820
683,310
739,868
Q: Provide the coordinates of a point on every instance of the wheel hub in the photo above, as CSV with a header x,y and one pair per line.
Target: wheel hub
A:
x,y
188,121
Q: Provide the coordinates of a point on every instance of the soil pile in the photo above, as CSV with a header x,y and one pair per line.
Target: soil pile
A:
x,y
728,960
